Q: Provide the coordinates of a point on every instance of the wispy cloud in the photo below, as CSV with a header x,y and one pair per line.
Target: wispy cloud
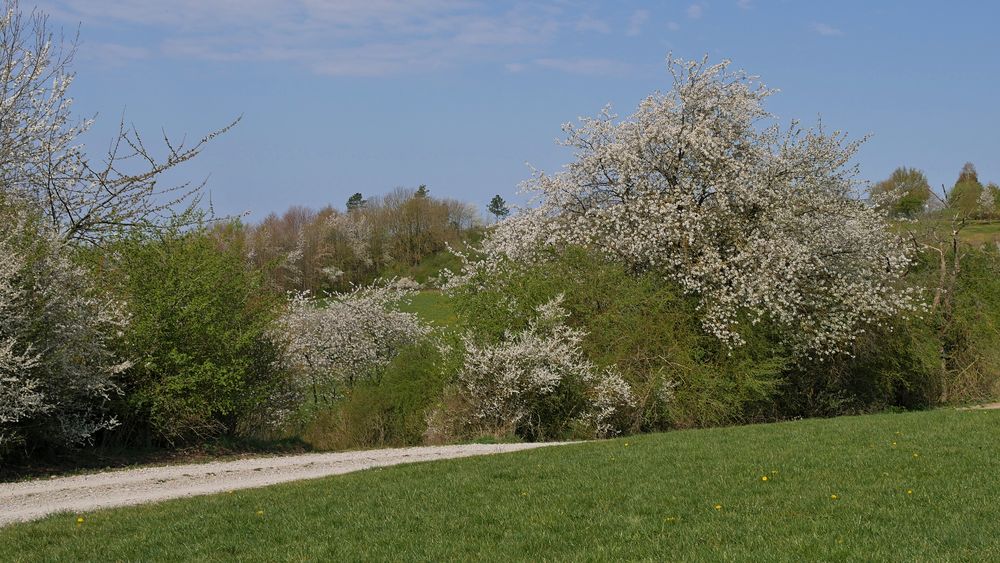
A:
x,y
636,21
341,37
826,30
695,11
673,26
744,4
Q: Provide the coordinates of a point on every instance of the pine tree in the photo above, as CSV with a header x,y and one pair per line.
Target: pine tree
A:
x,y
498,207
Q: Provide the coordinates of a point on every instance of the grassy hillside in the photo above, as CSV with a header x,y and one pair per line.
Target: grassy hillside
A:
x,y
433,307
896,486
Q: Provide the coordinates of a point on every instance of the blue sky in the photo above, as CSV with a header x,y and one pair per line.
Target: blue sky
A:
x,y
340,96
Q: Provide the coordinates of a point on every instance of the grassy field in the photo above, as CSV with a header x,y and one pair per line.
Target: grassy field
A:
x,y
433,307
895,486
982,232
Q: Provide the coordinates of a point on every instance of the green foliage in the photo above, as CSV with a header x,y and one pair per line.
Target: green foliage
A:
x,y
971,335
199,315
909,487
356,201
645,326
964,195
498,207
911,188
390,410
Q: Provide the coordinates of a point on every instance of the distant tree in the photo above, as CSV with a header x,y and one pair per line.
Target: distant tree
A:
x,y
356,201
994,190
965,194
498,207
422,191
906,191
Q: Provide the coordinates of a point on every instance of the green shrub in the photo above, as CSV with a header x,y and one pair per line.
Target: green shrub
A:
x,y
389,410
971,337
645,325
203,363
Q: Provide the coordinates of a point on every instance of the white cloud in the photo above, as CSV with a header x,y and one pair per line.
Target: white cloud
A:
x,y
338,37
695,11
673,26
826,30
744,4
636,21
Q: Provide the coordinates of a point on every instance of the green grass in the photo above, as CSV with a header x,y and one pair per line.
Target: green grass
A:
x,y
433,307
981,232
648,497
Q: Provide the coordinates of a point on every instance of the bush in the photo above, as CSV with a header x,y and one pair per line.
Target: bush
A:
x,y
58,366
680,375
535,384
331,345
390,410
971,336
203,361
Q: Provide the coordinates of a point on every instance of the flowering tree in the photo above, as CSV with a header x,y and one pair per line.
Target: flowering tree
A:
x,y
702,185
330,346
535,382
41,156
57,365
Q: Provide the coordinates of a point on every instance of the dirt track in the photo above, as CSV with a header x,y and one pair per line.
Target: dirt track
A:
x,y
34,499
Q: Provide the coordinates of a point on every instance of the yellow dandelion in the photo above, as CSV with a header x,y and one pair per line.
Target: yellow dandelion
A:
x,y
834,497
718,507
626,444
915,454
260,513
79,520
764,478
909,491
894,444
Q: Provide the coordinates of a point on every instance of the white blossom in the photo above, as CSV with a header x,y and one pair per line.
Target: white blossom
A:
x,y
704,186
504,383
331,343
57,367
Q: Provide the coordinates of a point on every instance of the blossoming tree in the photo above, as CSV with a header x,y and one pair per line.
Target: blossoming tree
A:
x,y
329,346
703,185
57,360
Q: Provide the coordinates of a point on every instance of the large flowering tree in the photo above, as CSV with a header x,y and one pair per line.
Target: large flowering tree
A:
x,y
761,221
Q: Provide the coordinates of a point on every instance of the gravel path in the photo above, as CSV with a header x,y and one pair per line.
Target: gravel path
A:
x,y
34,499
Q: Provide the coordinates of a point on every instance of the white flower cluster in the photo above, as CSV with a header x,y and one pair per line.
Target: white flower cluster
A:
x,y
56,365
702,185
330,344
505,383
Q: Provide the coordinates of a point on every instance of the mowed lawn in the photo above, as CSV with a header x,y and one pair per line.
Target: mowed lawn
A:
x,y
886,487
